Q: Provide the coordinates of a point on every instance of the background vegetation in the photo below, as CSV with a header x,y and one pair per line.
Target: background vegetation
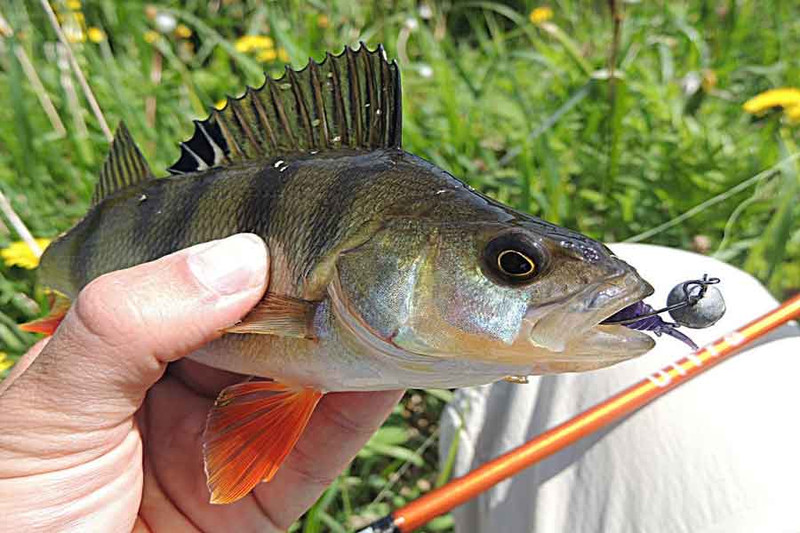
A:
x,y
623,120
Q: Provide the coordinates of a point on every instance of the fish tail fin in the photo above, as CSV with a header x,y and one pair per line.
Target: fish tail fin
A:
x,y
59,305
249,433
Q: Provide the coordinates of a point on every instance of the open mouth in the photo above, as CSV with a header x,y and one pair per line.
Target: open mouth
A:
x,y
575,327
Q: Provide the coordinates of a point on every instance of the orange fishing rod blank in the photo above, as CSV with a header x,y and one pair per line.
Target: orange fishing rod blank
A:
x,y
460,490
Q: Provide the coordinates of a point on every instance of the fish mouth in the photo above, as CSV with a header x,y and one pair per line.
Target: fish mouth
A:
x,y
573,327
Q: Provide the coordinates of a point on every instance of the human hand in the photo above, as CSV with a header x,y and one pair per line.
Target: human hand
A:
x,y
99,434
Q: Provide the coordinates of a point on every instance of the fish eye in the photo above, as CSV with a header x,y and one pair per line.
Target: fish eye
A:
x,y
513,259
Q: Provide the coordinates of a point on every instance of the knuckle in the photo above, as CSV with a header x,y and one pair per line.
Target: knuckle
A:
x,y
105,310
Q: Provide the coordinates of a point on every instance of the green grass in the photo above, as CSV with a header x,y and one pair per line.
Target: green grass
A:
x,y
523,112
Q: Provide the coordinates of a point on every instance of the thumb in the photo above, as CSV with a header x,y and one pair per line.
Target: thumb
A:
x,y
125,326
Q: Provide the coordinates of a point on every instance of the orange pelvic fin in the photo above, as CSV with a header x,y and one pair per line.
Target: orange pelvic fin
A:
x,y
249,433
59,305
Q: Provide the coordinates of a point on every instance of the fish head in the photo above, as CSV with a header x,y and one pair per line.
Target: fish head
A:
x,y
523,292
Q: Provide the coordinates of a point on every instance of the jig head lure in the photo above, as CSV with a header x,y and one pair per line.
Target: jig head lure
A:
x,y
694,304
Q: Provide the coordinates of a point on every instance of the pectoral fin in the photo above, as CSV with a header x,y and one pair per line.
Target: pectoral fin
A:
x,y
59,305
279,315
249,433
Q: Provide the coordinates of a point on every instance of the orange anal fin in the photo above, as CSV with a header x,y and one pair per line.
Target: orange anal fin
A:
x,y
280,315
249,433
59,305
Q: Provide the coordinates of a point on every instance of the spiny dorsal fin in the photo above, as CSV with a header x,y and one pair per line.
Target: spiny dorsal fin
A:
x,y
351,100
124,166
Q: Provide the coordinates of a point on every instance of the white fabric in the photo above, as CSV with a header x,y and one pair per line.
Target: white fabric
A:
x,y
719,454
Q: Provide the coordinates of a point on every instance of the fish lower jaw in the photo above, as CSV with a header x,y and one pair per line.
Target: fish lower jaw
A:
x,y
612,341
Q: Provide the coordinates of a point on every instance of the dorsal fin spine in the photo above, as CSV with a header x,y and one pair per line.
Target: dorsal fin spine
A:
x,y
263,120
319,104
280,111
230,139
251,148
371,106
202,163
338,100
351,100
297,92
217,154
352,71
386,87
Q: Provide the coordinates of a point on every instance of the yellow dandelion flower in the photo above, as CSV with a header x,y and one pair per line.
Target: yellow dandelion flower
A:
x,y
151,36
183,31
19,254
785,98
74,5
96,35
250,43
267,56
283,55
323,21
221,104
5,362
541,14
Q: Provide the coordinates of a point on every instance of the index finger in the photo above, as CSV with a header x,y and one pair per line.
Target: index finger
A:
x,y
340,426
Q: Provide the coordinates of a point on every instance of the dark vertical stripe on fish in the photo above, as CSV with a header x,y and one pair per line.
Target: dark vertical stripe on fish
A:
x,y
185,233
258,209
330,216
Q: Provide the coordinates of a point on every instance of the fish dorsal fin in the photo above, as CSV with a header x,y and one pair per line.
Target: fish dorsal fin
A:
x,y
124,166
351,100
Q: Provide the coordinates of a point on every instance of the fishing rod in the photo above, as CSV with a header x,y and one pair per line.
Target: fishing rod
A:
x,y
460,490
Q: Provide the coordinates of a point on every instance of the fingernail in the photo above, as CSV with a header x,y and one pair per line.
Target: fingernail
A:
x,y
231,265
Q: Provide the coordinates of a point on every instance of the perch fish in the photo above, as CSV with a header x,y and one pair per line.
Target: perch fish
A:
x,y
386,271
